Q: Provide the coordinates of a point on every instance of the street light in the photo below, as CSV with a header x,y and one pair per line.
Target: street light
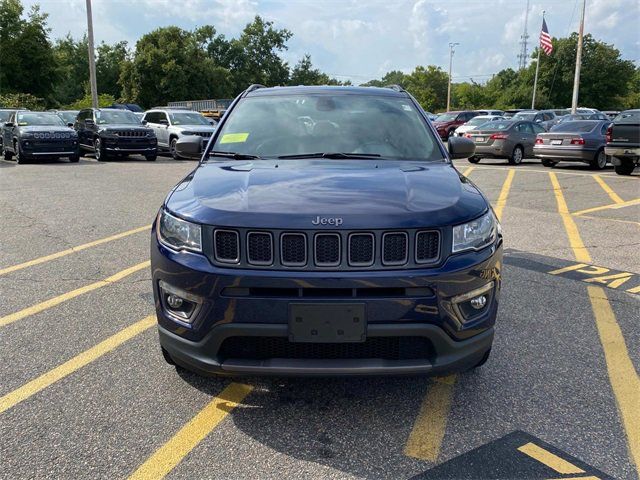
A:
x,y
451,50
92,58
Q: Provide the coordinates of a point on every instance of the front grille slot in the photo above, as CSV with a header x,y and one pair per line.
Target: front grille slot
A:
x,y
131,133
227,246
394,248
293,249
260,248
386,348
427,246
327,249
361,249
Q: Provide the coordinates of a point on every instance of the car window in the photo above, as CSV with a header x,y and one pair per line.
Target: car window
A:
x,y
537,128
113,116
446,117
4,115
184,118
630,116
293,124
603,130
39,118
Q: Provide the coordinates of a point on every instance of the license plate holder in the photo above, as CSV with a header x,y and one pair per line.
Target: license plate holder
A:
x,y
479,139
327,322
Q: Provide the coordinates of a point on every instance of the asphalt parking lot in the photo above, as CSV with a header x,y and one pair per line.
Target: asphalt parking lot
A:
x,y
84,392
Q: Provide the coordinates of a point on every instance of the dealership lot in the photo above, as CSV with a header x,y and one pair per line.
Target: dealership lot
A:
x,y
84,392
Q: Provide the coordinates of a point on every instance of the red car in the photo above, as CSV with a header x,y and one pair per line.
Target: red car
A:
x,y
447,123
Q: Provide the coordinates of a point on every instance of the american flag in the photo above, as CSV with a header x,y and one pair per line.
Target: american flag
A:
x,y
545,39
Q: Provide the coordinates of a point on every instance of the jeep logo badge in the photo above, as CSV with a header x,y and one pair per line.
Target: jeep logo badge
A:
x,y
337,221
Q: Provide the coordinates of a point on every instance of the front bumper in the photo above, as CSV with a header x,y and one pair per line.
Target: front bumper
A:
x,y
453,345
31,148
564,153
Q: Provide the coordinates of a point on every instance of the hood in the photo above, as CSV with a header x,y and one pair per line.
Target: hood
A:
x,y
292,193
196,128
46,128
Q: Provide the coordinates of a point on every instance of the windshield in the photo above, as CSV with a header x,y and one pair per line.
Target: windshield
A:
x,y
499,125
38,118
630,116
68,117
479,120
188,119
4,115
574,127
524,116
104,117
446,117
279,125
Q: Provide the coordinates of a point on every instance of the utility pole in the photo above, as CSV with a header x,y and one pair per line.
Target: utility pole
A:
x,y
451,50
522,57
535,81
576,78
92,58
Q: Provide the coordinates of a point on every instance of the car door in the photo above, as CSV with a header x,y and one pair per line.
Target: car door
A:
x,y
11,131
526,137
5,129
163,129
81,128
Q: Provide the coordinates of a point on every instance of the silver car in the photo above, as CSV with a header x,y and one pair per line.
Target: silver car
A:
x,y
577,141
171,124
545,118
510,139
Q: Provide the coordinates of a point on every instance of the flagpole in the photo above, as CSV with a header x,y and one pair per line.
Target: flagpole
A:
x,y
535,81
576,78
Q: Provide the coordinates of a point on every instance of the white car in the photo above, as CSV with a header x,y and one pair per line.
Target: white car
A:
x,y
475,122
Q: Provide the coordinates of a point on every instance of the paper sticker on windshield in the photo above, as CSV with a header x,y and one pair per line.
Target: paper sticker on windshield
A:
x,y
406,107
22,124
234,138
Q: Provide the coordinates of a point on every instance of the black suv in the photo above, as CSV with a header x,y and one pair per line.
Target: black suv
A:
x,y
109,132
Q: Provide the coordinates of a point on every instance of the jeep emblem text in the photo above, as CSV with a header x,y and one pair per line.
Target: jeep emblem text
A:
x,y
327,221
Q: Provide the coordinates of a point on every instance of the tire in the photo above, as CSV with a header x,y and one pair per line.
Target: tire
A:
x,y
151,158
172,149
549,163
516,156
74,158
483,360
599,161
7,154
625,168
16,154
473,159
98,150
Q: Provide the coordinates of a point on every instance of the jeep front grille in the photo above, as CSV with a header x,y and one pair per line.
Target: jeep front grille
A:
x,y
131,133
323,250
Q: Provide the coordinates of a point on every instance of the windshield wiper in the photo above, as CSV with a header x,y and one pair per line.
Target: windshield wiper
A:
x,y
234,155
331,155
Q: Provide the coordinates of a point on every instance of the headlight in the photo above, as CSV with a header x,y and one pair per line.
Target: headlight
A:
x,y
26,135
179,234
475,235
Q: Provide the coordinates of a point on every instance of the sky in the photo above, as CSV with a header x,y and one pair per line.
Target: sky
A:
x,y
362,40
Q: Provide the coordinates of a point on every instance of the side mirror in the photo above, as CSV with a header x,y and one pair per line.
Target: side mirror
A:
x,y
9,125
89,122
190,146
70,124
461,147
538,120
143,122
164,122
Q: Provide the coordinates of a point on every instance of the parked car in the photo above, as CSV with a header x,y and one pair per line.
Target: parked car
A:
x,y
5,113
545,118
447,123
68,116
171,124
495,113
109,132
365,252
623,142
431,116
132,107
38,135
577,141
611,113
583,116
476,122
511,112
511,139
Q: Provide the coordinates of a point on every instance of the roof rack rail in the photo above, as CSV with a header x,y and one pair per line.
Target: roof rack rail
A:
x,y
395,87
253,87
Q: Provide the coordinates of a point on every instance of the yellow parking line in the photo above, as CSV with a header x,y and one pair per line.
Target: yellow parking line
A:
x,y
635,201
590,477
430,425
188,437
467,171
579,250
53,256
67,368
52,302
613,195
552,461
622,374
504,193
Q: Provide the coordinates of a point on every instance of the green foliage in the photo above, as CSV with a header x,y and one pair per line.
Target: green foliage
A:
x,y
21,100
72,64
429,86
108,67
304,74
104,100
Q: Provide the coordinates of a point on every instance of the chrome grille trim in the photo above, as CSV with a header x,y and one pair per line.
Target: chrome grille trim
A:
x,y
215,246
373,249
282,256
315,250
406,249
260,262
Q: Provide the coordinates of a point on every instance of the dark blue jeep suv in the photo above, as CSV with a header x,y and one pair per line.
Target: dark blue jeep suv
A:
x,y
326,232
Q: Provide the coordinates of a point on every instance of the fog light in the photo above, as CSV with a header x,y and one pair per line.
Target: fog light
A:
x,y
174,301
478,302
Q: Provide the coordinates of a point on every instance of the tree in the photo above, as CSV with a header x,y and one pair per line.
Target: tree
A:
x,y
394,77
108,67
429,86
72,63
104,100
304,74
10,24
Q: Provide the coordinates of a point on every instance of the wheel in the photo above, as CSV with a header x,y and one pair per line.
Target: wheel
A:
x,y
483,360
167,357
599,161
16,154
151,158
99,152
548,163
516,156
74,158
7,154
172,149
473,159
625,168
